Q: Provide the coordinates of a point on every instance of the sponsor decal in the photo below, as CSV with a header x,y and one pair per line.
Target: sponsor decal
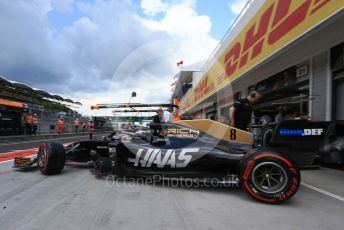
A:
x,y
182,132
163,158
301,132
275,25
112,150
102,147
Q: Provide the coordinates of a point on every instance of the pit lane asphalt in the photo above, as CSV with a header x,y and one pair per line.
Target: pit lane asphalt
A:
x,y
21,145
77,200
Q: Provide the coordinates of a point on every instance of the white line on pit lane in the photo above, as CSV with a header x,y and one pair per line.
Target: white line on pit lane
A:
x,y
19,150
323,192
33,141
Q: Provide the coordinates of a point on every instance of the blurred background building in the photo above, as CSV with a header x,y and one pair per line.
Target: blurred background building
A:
x,y
18,99
290,51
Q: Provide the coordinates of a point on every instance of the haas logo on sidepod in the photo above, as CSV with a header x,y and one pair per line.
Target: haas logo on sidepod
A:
x,y
162,158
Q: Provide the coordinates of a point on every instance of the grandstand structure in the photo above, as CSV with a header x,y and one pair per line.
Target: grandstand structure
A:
x,y
18,99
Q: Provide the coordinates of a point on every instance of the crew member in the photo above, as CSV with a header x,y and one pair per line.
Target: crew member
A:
x,y
84,124
60,124
90,128
176,117
240,112
34,124
280,116
159,117
167,116
156,123
28,124
76,124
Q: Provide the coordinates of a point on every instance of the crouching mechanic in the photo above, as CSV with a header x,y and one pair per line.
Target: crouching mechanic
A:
x,y
241,111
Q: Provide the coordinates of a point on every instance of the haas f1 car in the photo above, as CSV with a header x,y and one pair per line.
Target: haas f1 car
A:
x,y
198,149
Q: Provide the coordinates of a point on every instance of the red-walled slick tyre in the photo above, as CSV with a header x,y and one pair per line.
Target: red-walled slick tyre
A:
x,y
269,176
51,158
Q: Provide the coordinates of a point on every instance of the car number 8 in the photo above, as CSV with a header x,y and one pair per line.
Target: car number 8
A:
x,y
233,134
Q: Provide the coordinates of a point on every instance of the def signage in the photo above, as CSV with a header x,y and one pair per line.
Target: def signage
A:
x,y
301,132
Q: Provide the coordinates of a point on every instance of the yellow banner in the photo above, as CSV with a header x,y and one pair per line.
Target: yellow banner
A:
x,y
275,25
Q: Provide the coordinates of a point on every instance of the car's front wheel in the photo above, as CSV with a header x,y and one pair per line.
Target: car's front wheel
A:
x,y
51,158
269,176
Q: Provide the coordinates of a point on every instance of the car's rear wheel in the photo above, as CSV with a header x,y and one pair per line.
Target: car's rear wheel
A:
x,y
51,158
269,176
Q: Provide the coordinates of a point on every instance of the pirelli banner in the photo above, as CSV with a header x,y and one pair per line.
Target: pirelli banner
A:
x,y
276,24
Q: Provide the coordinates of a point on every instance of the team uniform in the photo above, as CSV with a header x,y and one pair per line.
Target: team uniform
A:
x,y
34,124
242,115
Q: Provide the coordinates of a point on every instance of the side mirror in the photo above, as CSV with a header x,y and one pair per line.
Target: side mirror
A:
x,y
133,94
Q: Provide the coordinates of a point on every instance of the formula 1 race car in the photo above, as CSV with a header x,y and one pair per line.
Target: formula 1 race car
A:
x,y
200,150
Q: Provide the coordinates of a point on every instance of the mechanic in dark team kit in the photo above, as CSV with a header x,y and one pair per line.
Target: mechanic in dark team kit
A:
x,y
34,120
157,120
240,112
90,128
28,124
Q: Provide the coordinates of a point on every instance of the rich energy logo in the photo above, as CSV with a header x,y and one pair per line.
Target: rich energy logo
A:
x,y
300,132
161,158
182,132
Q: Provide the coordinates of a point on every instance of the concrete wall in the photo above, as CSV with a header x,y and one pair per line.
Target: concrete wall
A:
x,y
44,127
319,75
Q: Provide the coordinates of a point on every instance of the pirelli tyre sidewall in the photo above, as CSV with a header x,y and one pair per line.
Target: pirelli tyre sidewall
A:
x,y
263,165
51,158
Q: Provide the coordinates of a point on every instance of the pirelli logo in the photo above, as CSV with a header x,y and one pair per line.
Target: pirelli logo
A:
x,y
275,25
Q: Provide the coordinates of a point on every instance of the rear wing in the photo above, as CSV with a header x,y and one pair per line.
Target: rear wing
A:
x,y
130,105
